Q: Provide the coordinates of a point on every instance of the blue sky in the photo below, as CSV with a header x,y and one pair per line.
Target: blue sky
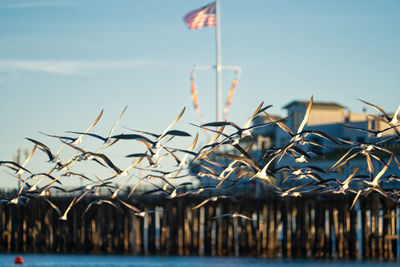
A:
x,y
62,61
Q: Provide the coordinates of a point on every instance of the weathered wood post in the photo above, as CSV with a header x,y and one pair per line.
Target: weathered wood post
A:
x,y
201,231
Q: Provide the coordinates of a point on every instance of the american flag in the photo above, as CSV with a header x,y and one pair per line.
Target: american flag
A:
x,y
202,17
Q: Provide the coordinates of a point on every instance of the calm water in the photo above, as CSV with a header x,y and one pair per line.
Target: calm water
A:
x,y
98,261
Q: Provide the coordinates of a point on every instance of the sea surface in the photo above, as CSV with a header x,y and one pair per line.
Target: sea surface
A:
x,y
156,261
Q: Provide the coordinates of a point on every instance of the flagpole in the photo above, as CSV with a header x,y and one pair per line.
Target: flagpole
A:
x,y
218,61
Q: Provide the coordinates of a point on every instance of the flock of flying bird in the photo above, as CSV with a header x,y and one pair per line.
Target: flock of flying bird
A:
x,y
229,142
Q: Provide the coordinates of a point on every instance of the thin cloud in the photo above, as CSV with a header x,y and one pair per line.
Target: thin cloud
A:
x,y
66,67
34,4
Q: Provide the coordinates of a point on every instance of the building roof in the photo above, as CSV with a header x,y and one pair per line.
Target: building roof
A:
x,y
320,105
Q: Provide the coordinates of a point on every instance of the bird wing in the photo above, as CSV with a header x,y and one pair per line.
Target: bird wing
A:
x,y
394,119
280,124
177,133
172,124
90,134
306,116
348,179
19,167
115,124
201,204
107,161
178,161
115,194
64,217
183,160
134,188
377,108
129,206
91,126
28,158
369,164
355,199
379,175
108,202
242,159
54,206
43,147
342,158
256,112
242,216
132,165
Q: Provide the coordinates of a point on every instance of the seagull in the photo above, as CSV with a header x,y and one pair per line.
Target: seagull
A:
x,y
68,164
391,121
34,176
94,186
98,202
263,173
125,172
159,137
142,155
169,127
69,174
344,186
63,216
174,193
66,138
230,169
245,160
172,155
232,139
376,133
86,155
105,139
308,172
160,178
212,144
119,172
115,194
298,136
213,199
15,166
241,132
376,180
232,215
18,200
143,213
52,158
365,149
289,192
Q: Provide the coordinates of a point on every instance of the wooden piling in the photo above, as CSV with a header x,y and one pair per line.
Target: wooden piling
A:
x,y
283,228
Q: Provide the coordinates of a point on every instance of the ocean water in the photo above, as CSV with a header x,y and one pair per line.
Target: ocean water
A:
x,y
157,261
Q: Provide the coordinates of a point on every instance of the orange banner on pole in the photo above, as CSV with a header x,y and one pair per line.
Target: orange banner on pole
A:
x,y
230,97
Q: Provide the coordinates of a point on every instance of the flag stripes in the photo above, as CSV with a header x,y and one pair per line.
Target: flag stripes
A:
x,y
202,17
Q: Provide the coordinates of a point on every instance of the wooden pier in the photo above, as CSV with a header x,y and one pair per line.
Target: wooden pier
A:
x,y
307,227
